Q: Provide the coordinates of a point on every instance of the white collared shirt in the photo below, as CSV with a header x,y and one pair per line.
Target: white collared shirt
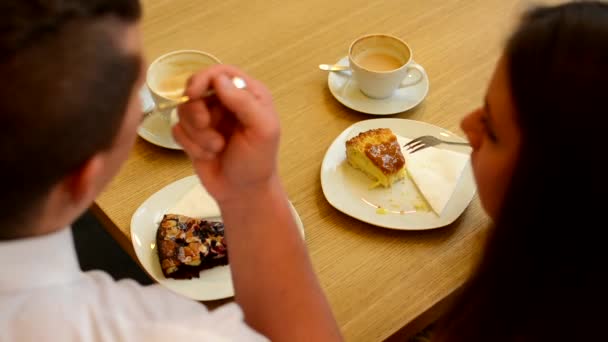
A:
x,y
44,296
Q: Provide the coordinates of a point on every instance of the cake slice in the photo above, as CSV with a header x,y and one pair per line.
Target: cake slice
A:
x,y
377,153
188,245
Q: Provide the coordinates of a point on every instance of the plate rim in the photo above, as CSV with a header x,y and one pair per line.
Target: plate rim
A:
x,y
336,206
167,187
378,113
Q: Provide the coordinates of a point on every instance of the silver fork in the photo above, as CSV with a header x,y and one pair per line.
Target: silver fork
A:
x,y
428,141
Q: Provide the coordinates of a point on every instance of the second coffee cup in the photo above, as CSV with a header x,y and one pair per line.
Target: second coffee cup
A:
x,y
382,63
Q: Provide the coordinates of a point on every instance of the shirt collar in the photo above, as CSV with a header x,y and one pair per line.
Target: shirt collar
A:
x,y
38,261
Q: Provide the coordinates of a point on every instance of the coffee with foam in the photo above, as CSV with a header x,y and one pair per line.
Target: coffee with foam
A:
x,y
173,85
379,61
168,74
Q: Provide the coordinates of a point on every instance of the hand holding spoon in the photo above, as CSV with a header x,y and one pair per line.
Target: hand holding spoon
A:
x,y
237,81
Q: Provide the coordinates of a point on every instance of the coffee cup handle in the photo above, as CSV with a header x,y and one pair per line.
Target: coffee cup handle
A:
x,y
412,78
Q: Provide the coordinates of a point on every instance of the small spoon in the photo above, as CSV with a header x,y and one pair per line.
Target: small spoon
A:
x,y
333,67
237,81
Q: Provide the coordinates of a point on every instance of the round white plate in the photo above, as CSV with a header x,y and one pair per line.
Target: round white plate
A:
x,y
345,89
348,190
215,283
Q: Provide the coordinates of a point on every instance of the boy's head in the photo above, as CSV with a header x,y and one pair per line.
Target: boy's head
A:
x,y
70,71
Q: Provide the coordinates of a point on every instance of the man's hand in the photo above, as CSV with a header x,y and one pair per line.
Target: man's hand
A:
x,y
232,139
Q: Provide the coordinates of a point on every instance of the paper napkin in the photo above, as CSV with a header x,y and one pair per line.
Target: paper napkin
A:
x,y
196,203
436,173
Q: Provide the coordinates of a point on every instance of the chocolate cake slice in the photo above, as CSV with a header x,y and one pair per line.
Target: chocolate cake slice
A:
x,y
188,245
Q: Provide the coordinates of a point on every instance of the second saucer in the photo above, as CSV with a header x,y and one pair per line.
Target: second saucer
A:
x,y
344,88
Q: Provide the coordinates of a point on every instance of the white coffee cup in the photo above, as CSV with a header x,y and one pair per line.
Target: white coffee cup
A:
x,y
167,75
382,63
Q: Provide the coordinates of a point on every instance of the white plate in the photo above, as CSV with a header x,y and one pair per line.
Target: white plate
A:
x,y
215,283
345,89
348,189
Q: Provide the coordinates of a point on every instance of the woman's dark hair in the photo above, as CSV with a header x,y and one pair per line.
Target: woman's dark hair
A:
x,y
66,81
543,276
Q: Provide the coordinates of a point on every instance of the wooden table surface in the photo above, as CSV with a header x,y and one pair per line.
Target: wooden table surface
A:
x,y
379,282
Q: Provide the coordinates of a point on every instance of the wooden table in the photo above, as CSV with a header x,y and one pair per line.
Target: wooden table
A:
x,y
379,282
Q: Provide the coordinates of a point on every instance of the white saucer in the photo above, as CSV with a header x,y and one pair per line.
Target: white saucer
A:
x,y
345,90
154,128
157,131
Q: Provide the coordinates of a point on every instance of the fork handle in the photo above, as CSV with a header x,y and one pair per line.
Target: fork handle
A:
x,y
457,143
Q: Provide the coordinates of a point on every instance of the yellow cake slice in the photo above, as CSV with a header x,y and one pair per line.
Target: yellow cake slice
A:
x,y
377,153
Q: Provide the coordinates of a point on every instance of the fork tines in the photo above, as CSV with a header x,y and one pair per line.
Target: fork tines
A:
x,y
415,145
